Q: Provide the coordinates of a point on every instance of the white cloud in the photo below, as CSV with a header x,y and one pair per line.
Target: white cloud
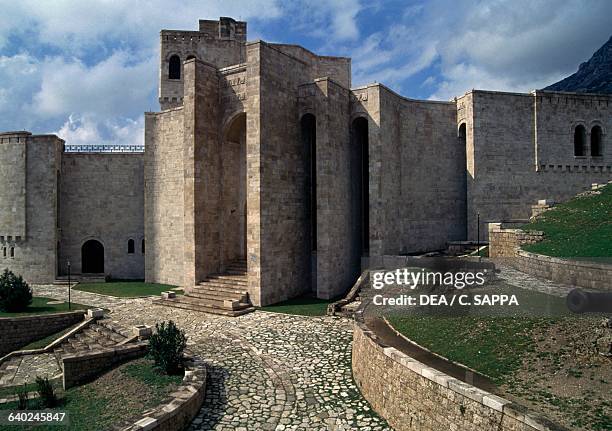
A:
x,y
77,24
114,86
331,21
85,130
513,45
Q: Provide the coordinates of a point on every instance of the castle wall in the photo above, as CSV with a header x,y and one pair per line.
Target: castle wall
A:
x,y
284,258
102,198
202,173
421,196
335,266
34,160
163,196
507,177
335,68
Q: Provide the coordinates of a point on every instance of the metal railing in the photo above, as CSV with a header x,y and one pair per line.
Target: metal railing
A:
x,y
104,148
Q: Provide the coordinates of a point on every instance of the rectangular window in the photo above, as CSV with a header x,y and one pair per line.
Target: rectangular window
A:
x,y
12,251
3,251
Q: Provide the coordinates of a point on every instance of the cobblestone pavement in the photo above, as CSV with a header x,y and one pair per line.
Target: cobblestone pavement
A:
x,y
266,371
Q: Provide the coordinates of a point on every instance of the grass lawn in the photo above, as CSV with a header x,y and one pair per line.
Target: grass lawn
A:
x,y
119,395
581,227
303,305
39,306
493,346
125,289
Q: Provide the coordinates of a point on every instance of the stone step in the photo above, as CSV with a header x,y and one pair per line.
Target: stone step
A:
x,y
195,306
237,272
237,279
212,294
210,301
219,286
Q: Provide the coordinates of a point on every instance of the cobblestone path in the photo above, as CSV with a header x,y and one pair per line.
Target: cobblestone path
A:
x,y
267,371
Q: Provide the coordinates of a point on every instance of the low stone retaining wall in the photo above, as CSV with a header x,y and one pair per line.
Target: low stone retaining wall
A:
x,y
21,331
506,243
413,396
81,368
589,275
178,411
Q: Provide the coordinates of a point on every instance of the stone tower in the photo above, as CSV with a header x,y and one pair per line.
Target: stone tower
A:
x,y
220,43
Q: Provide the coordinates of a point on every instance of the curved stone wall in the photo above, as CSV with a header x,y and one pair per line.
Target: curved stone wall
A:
x,y
413,396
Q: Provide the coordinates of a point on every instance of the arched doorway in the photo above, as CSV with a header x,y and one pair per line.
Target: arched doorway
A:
x,y
234,193
92,257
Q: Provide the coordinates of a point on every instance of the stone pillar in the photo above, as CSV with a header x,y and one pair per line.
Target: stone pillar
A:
x,y
202,170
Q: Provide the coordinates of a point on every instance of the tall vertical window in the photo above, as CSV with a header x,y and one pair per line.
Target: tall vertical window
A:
x,y
579,141
4,251
174,67
130,246
142,246
596,149
12,251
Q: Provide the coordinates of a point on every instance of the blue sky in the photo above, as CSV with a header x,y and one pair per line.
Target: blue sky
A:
x,y
87,70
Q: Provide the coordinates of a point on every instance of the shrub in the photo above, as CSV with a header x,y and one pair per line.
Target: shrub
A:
x,y
46,392
22,398
166,346
15,294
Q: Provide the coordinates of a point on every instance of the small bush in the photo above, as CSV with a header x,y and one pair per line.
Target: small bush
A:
x,y
166,347
15,294
46,392
22,401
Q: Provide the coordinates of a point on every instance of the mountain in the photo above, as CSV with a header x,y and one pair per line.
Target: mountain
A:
x,y
594,76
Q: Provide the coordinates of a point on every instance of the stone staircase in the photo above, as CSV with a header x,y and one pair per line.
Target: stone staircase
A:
x,y
225,294
93,337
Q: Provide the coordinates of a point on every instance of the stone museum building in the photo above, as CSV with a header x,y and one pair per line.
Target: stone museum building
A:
x,y
264,163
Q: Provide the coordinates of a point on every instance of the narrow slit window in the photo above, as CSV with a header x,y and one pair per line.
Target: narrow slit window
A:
x,y
131,246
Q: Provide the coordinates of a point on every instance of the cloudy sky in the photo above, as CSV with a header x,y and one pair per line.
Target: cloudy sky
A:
x,y
87,70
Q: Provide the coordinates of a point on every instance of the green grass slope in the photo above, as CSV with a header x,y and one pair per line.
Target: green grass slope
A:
x,y
581,227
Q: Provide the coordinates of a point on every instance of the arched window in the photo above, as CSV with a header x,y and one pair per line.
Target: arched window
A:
x,y
130,246
596,149
579,141
142,247
4,251
12,251
174,67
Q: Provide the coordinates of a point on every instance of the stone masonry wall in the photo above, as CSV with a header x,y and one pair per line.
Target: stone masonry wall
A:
x,y
414,397
21,331
13,185
81,368
421,185
202,173
507,242
34,253
520,150
164,202
284,255
207,45
102,198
